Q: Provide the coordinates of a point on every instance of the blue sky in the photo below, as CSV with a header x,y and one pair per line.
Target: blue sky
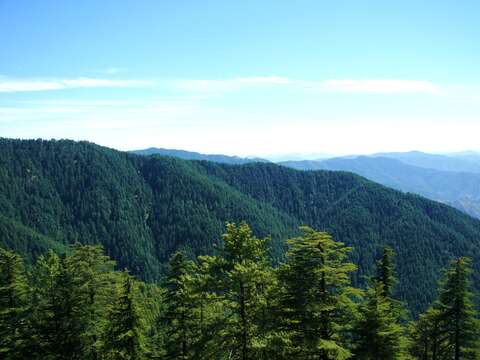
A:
x,y
243,77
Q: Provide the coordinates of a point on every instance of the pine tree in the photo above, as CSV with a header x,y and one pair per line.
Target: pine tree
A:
x,y
386,272
56,328
13,305
179,318
124,335
93,280
450,328
458,315
381,335
425,336
238,279
316,298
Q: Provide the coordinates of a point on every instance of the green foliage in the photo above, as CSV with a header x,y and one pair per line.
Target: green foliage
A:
x,y
180,318
379,331
233,305
457,311
93,281
386,273
124,337
450,329
55,323
316,300
13,304
238,280
381,336
425,336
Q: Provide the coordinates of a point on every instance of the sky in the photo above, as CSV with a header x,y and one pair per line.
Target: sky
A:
x,y
243,77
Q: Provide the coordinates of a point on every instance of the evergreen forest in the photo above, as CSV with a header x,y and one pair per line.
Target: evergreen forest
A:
x,y
232,305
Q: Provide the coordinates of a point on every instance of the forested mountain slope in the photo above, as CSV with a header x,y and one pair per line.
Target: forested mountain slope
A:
x,y
143,208
459,189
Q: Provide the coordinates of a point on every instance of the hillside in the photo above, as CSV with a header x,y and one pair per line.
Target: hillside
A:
x,y
459,189
143,208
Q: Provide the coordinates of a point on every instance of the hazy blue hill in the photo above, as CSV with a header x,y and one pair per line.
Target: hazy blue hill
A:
x,y
433,161
467,205
142,208
461,190
471,156
190,155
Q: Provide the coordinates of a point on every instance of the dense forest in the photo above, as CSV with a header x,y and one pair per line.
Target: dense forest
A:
x,y
452,179
142,209
457,188
232,305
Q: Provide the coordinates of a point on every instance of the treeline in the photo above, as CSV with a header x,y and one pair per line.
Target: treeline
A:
x,y
233,305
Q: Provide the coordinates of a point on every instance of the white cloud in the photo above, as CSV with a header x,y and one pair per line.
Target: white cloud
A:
x,y
378,86
108,111
210,85
27,85
225,85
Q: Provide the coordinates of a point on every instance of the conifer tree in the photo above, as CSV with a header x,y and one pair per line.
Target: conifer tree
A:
x,y
425,336
386,272
450,328
381,335
238,279
94,280
457,312
179,318
124,335
13,305
56,324
316,298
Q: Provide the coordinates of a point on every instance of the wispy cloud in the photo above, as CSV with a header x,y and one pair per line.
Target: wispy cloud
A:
x,y
378,86
230,84
209,86
100,110
8,85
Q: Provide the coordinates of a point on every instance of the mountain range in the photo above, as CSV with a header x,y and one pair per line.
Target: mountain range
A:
x,y
143,208
191,155
453,179
436,177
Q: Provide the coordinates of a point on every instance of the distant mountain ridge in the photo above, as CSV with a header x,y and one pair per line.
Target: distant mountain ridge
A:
x,y
455,163
471,156
453,179
191,155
